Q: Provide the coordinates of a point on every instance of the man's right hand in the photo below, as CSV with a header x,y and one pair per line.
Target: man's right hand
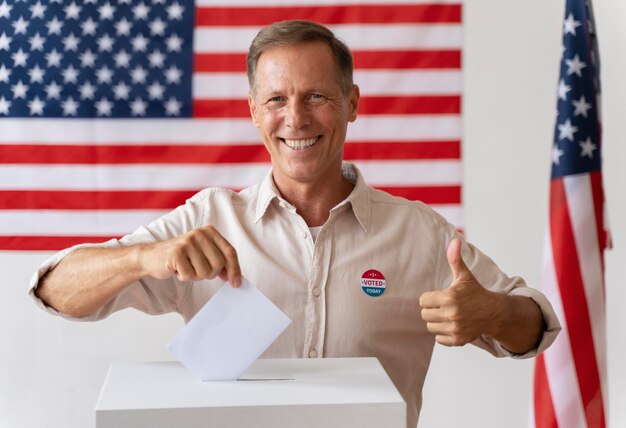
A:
x,y
200,254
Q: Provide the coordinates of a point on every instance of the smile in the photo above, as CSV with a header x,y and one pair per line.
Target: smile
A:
x,y
300,144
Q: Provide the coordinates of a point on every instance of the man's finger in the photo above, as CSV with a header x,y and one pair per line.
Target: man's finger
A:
x,y
434,315
459,270
431,299
233,271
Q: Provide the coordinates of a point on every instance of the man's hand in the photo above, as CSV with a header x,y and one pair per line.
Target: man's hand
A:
x,y
462,312
200,254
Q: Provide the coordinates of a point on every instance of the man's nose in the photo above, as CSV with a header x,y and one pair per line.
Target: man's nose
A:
x,y
297,115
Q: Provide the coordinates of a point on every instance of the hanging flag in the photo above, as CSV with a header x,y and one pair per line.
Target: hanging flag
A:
x,y
571,377
114,112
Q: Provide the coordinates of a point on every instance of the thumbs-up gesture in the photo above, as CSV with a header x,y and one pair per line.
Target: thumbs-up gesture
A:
x,y
462,312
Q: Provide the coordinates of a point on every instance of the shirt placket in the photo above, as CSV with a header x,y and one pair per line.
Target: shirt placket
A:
x,y
315,309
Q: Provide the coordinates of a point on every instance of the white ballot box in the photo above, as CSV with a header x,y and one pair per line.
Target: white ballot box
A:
x,y
324,392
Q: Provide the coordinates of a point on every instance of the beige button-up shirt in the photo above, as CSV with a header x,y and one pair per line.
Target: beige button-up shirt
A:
x,y
318,283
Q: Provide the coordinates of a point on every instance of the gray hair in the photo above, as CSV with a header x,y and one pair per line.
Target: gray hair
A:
x,y
288,33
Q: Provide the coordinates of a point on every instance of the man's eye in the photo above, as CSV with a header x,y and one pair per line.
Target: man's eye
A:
x,y
316,98
276,99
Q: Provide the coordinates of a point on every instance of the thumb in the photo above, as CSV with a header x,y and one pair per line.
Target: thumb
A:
x,y
459,270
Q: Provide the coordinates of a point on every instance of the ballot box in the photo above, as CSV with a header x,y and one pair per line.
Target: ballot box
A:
x,y
322,392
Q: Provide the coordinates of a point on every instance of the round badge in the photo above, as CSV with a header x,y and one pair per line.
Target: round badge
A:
x,y
373,283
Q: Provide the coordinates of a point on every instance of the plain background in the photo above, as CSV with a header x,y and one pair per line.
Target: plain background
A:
x,y
51,370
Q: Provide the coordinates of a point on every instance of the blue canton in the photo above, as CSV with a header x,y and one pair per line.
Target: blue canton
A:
x,y
94,58
577,135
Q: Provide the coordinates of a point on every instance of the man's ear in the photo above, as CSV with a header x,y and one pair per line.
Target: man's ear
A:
x,y
353,103
253,110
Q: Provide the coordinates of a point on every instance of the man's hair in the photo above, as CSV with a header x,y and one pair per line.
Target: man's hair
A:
x,y
288,33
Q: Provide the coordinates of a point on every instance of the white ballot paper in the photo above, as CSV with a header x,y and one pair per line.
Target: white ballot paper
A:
x,y
229,333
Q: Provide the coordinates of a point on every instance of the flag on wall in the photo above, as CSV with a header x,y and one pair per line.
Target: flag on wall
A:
x,y
114,112
570,387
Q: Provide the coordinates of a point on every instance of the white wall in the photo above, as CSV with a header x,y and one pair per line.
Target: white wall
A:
x,y
51,370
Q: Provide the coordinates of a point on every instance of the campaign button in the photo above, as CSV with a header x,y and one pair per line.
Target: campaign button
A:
x,y
373,283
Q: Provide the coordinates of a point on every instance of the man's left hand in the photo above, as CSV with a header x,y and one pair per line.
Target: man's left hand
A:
x,y
462,312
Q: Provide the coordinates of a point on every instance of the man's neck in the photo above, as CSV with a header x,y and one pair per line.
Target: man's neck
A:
x,y
314,200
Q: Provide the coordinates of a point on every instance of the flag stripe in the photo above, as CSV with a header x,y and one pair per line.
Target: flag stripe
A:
x,y
582,212
168,199
111,222
567,268
212,108
314,3
559,362
370,60
193,176
358,37
336,14
209,154
543,405
46,243
371,83
210,131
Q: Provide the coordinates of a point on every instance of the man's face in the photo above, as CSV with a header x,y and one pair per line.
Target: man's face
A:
x,y
301,111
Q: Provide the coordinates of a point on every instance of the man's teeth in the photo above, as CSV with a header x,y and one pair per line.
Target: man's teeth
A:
x,y
300,144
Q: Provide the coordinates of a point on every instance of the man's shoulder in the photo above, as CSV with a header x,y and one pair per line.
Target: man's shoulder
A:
x,y
225,195
382,200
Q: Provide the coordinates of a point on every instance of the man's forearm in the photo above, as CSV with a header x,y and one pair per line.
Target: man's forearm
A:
x,y
519,324
88,278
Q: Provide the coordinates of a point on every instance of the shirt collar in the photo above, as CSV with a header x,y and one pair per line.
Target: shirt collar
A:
x,y
359,198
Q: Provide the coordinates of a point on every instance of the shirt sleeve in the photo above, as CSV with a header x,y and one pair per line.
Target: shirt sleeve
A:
x,y
491,277
148,294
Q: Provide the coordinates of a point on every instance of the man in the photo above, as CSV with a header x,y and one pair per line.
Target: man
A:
x,y
359,272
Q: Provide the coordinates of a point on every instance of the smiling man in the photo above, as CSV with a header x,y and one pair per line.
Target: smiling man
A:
x,y
359,272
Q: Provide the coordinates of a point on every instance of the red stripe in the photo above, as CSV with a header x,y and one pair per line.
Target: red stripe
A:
x,y
377,60
363,60
336,14
93,200
354,150
46,243
545,416
429,195
166,199
225,108
209,154
114,154
598,205
567,269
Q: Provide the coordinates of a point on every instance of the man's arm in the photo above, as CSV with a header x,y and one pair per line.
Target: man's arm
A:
x,y
466,310
88,278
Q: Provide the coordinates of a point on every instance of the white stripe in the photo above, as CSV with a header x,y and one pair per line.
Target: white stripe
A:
x,y
409,82
403,173
212,131
406,128
74,223
124,177
371,83
109,222
560,369
213,3
582,214
356,36
122,131
191,177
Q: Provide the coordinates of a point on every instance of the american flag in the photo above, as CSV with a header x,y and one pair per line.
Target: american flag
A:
x,y
114,112
571,377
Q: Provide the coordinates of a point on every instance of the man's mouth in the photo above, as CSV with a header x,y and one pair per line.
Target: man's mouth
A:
x,y
300,144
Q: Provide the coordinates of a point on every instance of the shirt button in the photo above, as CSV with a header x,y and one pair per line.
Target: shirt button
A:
x,y
317,292
304,235
313,354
